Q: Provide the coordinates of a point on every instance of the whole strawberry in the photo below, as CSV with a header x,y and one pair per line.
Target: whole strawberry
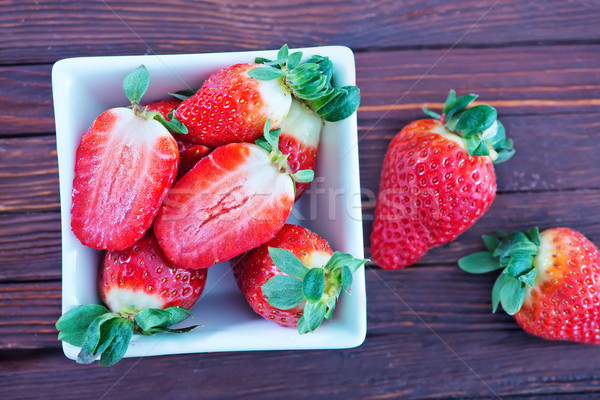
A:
x,y
236,198
189,153
124,165
437,180
299,139
234,104
145,294
294,279
550,282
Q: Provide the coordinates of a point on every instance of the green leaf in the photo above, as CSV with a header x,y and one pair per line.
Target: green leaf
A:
x,y
271,136
108,331
504,155
519,264
118,346
183,94
459,104
287,262
74,323
174,125
533,234
151,317
346,278
482,149
283,292
512,295
325,66
266,73
479,263
331,303
343,103
294,60
339,259
528,278
476,119
262,142
449,101
92,339
283,53
491,242
313,316
502,278
430,113
515,242
157,329
313,284
305,175
136,83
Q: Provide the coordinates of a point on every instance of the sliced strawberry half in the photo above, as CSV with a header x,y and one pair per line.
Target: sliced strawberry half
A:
x,y
299,139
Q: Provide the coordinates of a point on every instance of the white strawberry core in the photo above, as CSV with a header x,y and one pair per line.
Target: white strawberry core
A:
x,y
131,129
543,261
117,299
316,259
277,100
441,130
302,123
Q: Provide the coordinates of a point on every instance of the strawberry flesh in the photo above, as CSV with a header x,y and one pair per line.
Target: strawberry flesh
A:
x,y
141,277
123,168
233,200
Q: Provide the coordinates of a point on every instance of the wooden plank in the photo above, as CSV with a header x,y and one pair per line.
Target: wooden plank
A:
x,y
415,366
30,246
29,178
30,243
28,174
518,81
41,33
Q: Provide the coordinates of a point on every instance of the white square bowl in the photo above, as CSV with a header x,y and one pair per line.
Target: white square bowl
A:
x,y
85,87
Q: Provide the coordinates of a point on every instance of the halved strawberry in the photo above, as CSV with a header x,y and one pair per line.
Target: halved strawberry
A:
x,y
145,294
234,199
189,153
295,278
124,165
234,103
299,139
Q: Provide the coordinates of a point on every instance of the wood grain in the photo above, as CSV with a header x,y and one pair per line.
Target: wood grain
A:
x,y
44,32
517,81
28,174
414,366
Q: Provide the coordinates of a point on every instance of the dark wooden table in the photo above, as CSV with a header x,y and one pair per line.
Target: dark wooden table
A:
x,y
430,330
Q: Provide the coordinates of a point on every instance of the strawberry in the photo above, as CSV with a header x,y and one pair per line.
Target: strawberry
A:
x,y
233,200
189,153
124,165
550,281
437,180
144,292
235,102
299,139
295,278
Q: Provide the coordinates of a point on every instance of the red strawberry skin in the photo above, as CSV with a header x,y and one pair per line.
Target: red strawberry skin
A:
x,y
254,268
124,166
233,200
142,277
299,139
430,192
564,302
233,107
189,153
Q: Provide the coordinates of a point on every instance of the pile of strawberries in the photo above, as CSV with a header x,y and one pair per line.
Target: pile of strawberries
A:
x,y
171,188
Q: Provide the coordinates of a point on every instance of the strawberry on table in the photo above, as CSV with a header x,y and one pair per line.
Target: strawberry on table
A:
x,y
295,279
144,292
437,180
233,200
234,103
299,139
549,281
124,165
189,153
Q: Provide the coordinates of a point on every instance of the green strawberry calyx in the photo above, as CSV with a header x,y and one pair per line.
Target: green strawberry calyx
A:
x,y
135,85
106,334
270,142
310,81
513,253
479,126
318,288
